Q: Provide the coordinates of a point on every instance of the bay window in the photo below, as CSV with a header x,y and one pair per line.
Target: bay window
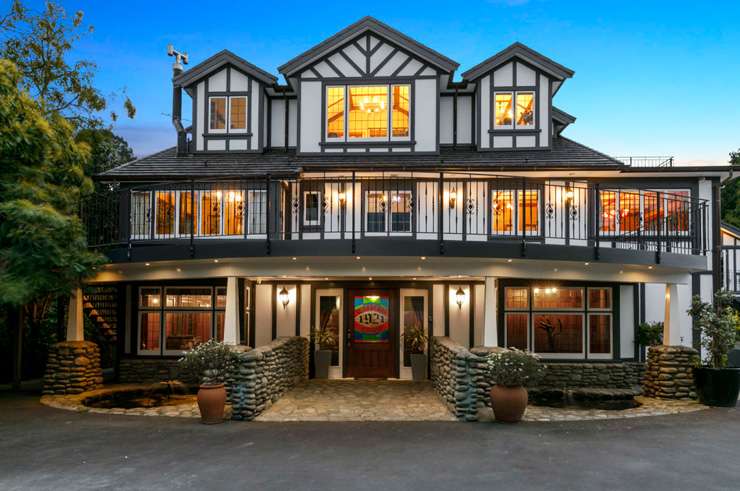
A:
x,y
513,109
556,321
373,112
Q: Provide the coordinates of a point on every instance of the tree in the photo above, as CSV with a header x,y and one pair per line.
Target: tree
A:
x,y
39,43
731,196
43,251
107,150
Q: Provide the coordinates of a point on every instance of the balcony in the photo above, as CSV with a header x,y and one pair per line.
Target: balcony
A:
x,y
471,214
649,162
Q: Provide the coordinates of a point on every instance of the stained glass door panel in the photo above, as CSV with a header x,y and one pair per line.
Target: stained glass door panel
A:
x,y
372,333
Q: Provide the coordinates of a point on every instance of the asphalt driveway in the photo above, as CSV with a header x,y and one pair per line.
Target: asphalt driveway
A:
x,y
44,448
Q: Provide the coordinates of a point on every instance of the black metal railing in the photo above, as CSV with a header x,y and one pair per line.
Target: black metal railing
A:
x,y
653,161
424,206
730,269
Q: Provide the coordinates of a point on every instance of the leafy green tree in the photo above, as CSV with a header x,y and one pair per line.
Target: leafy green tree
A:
x,y
40,44
731,196
107,150
43,251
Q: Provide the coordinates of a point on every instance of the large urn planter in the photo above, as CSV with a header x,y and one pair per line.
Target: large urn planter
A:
x,y
717,386
211,402
509,403
418,367
322,362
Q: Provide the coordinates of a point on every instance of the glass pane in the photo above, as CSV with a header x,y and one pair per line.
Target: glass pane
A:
x,y
599,333
413,318
220,297
165,222
677,212
653,210
502,205
184,330
376,211
529,211
516,298
149,328
629,211
599,298
400,114
257,212
210,212
186,213
329,321
140,213
545,297
335,112
503,109
517,326
149,297
608,208
370,322
401,211
558,333
311,207
190,298
238,113
220,316
233,212
368,112
524,109
217,113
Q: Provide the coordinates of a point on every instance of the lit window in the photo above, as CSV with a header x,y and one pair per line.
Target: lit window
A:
x,y
528,211
233,212
503,105
401,105
517,330
210,212
677,212
368,112
502,205
629,211
516,298
599,334
185,218
524,109
165,216
400,211
217,119
558,333
546,297
238,113
335,112
608,211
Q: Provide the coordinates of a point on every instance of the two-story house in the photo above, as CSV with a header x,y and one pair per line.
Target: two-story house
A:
x,y
373,192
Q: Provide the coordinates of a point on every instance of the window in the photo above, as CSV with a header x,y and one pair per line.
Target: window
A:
x,y
526,216
233,212
559,321
185,318
505,116
210,212
311,200
329,321
380,218
140,209
376,211
370,116
413,318
238,113
256,211
164,218
650,212
400,211
185,216
217,114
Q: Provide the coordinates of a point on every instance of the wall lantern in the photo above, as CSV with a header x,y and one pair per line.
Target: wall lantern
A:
x,y
342,199
453,198
284,297
569,195
460,297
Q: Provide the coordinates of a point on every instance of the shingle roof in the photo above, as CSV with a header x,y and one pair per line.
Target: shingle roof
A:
x,y
218,60
519,50
565,153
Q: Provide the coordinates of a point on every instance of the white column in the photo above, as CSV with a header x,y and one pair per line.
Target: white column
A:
x,y
672,322
75,319
490,331
231,314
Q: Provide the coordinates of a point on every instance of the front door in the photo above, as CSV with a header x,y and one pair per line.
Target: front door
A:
x,y
371,339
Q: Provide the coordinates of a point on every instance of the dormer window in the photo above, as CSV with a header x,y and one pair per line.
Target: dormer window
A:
x,y
373,112
232,121
514,110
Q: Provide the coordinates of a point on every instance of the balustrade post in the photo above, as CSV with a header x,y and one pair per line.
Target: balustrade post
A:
x,y
354,242
193,223
268,217
440,218
131,214
597,217
660,227
523,217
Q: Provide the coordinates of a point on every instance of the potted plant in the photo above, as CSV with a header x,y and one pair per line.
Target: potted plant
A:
x,y
510,371
326,343
716,384
415,340
649,334
210,362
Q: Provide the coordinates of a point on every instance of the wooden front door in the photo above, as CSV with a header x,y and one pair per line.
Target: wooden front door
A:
x,y
371,335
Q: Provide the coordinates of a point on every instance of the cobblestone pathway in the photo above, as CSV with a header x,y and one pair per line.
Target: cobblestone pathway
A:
x,y
359,400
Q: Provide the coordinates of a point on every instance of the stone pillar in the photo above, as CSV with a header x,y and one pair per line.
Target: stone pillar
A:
x,y
73,367
490,315
669,373
231,314
75,319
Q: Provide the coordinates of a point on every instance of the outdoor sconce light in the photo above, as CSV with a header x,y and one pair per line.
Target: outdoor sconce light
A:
x,y
453,198
460,297
342,199
284,297
568,195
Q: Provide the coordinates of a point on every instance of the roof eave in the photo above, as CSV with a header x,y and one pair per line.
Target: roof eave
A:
x,y
215,62
519,50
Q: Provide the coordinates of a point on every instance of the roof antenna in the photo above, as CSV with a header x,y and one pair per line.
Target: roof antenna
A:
x,y
180,59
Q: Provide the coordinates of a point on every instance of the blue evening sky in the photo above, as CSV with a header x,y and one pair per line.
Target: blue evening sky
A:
x,y
652,78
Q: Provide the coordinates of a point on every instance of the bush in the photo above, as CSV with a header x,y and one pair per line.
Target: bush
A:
x,y
513,368
650,334
718,326
209,361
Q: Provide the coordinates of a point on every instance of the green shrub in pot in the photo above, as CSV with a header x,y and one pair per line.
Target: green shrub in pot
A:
x,y
510,372
210,362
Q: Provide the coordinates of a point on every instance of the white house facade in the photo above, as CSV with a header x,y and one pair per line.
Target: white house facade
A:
x,y
372,193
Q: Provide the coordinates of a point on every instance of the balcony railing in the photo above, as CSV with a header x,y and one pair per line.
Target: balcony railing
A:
x,y
730,269
655,161
441,207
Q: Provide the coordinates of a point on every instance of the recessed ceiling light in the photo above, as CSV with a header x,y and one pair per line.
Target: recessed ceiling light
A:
x,y
555,269
621,271
178,270
357,257
285,276
326,278
423,258
509,260
215,260
147,264
370,278
586,264
294,258
414,278
650,267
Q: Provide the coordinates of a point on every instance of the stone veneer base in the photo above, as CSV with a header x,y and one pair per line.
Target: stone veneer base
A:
x,y
73,367
670,372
